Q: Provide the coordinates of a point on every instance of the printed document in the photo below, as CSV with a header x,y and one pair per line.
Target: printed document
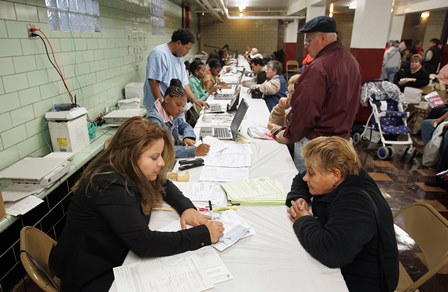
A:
x,y
212,173
183,275
23,206
235,228
196,270
202,192
261,190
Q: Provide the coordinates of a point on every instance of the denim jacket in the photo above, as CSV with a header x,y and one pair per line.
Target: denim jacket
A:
x,y
177,128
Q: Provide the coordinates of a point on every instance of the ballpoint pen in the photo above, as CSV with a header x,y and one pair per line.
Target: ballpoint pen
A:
x,y
211,209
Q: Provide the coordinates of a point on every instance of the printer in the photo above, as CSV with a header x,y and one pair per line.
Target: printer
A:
x,y
68,129
133,90
39,171
118,117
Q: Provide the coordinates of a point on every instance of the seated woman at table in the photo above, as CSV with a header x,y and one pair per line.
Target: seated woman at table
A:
x,y
416,76
211,76
350,225
166,113
111,207
197,74
277,118
273,88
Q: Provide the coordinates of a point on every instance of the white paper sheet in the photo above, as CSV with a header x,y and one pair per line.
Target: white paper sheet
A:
x,y
228,160
190,271
16,192
202,192
184,275
23,206
235,229
212,173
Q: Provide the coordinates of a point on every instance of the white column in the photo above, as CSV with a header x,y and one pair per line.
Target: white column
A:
x,y
315,10
371,23
291,32
396,27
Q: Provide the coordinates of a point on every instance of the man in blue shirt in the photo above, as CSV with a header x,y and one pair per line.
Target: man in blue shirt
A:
x,y
165,63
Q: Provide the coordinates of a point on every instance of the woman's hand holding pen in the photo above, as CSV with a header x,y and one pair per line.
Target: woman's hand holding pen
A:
x,y
195,218
202,149
216,230
299,208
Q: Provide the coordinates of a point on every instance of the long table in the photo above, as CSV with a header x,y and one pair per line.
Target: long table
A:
x,y
272,259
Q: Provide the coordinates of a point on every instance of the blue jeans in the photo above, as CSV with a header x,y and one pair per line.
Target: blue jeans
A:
x,y
298,159
391,71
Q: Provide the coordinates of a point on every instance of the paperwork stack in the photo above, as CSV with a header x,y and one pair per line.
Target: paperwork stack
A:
x,y
255,191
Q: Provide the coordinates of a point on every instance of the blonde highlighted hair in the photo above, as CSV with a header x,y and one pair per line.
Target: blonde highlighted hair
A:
x,y
331,153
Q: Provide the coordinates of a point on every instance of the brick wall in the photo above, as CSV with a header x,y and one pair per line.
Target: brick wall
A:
x,y
262,34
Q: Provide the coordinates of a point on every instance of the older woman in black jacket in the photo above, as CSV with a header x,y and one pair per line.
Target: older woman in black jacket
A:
x,y
350,225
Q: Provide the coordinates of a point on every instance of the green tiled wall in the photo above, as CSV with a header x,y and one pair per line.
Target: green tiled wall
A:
x,y
96,66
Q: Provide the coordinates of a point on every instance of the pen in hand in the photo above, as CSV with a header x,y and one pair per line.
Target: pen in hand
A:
x,y
211,209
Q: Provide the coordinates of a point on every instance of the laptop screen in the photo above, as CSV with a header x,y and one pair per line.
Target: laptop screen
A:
x,y
238,119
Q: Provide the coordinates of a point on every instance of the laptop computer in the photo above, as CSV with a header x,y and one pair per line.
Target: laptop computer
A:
x,y
238,81
217,108
227,132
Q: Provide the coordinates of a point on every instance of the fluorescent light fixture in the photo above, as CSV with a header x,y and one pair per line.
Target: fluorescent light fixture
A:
x,y
331,10
425,14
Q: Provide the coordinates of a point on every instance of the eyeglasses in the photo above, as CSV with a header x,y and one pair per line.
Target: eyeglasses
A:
x,y
307,41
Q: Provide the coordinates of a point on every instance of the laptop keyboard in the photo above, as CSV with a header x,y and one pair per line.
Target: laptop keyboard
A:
x,y
221,132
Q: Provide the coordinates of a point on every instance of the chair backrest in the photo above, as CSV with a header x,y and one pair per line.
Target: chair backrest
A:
x,y
35,247
429,230
292,63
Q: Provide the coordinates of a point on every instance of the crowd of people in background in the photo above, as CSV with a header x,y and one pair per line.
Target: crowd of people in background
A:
x,y
410,67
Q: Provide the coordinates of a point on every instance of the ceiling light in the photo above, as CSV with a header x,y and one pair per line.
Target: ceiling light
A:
x,y
242,4
352,5
331,9
425,14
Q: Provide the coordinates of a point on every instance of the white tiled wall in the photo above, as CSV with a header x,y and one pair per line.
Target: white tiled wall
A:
x,y
96,66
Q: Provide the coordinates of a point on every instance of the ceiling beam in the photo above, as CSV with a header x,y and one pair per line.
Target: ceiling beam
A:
x,y
421,6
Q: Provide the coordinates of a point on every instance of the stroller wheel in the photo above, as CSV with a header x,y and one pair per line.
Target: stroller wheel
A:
x,y
383,153
356,138
391,151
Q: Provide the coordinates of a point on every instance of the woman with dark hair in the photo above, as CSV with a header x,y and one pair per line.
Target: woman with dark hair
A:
x,y
211,76
166,113
197,74
111,207
341,218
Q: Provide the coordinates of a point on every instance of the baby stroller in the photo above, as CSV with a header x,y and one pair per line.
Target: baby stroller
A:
x,y
388,119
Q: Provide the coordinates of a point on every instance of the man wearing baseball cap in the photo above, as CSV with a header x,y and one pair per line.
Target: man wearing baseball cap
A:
x,y
327,94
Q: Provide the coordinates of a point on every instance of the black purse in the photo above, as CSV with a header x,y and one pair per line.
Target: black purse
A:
x,y
256,93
